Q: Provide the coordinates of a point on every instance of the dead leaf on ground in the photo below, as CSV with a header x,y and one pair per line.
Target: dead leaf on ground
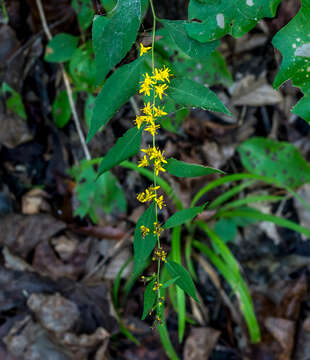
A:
x,y
303,341
16,130
35,201
21,233
48,263
250,91
200,343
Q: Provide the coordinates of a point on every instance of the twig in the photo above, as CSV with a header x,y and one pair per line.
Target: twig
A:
x,y
67,85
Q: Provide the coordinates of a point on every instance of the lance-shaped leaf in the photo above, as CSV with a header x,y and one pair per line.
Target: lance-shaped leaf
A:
x,y
113,36
61,48
215,18
125,147
191,47
184,281
182,216
182,169
149,299
293,41
191,94
276,159
116,91
143,246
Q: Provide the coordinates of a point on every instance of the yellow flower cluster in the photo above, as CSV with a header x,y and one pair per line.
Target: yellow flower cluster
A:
x,y
156,156
157,285
144,230
159,255
148,195
155,82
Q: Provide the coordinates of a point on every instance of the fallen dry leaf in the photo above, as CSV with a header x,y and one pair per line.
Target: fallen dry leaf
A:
x,y
34,201
200,343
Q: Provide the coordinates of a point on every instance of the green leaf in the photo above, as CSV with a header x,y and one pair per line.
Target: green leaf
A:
x,y
279,160
84,11
239,287
226,229
210,70
82,67
191,47
95,196
116,91
113,36
149,298
185,282
212,20
260,216
143,246
61,48
14,101
125,147
89,108
61,109
182,169
182,216
170,282
189,93
294,43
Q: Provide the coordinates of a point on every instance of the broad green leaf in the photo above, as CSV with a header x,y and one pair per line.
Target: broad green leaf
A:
x,y
185,282
170,282
279,160
182,169
116,91
189,93
149,299
84,11
210,70
143,246
226,229
61,109
89,108
182,216
213,19
14,101
125,147
61,48
191,47
238,285
293,41
108,5
82,67
96,195
113,36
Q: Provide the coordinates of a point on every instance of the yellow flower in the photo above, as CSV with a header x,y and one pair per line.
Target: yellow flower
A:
x,y
147,110
144,49
165,73
160,90
158,167
158,112
159,254
160,202
152,128
144,231
146,84
148,195
162,74
140,120
144,162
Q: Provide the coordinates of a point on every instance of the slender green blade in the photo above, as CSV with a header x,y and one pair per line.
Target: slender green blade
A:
x,y
149,298
182,169
182,216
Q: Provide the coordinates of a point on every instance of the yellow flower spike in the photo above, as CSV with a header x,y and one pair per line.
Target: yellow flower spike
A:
x,y
160,90
147,110
152,128
157,231
158,112
144,231
141,197
144,49
160,202
143,162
